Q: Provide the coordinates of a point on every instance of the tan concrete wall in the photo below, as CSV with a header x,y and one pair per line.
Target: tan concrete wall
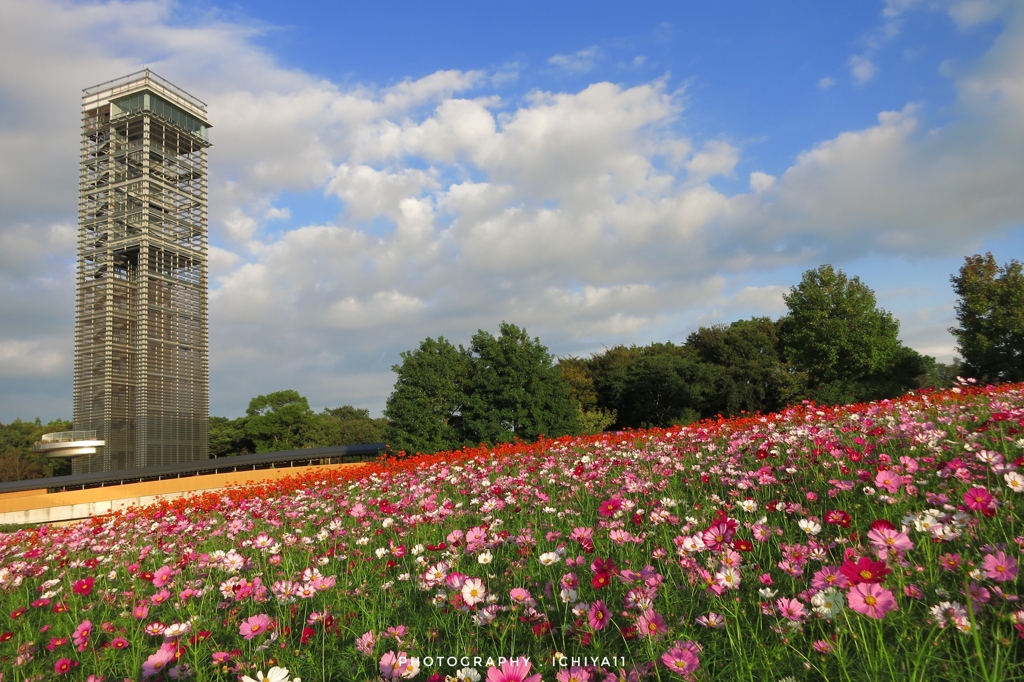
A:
x,y
38,506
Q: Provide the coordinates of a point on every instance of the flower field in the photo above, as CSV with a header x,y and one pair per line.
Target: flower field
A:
x,y
868,542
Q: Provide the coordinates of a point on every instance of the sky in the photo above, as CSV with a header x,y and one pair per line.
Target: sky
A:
x,y
598,173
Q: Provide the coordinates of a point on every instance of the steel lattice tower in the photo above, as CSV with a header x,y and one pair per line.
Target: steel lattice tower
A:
x,y
141,342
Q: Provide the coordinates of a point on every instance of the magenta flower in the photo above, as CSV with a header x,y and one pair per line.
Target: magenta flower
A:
x,y
599,616
83,586
515,670
871,599
681,660
864,571
255,625
63,666
1000,567
610,506
979,499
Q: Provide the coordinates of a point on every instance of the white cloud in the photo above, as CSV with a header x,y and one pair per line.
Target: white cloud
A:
x,y
580,62
862,68
826,82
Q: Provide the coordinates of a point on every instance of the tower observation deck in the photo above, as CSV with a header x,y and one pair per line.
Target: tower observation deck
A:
x,y
141,377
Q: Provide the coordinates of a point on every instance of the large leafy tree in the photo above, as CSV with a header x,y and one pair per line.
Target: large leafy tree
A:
x,y
18,461
991,314
514,390
424,411
665,385
753,374
284,421
847,345
355,426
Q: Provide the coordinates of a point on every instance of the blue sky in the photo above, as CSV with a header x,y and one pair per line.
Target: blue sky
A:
x,y
596,172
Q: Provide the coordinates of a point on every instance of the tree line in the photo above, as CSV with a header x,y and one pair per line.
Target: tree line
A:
x,y
834,345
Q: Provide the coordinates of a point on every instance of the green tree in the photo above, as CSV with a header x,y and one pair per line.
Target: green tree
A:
x,y
283,421
579,379
18,460
753,374
424,411
355,426
665,385
514,390
227,437
991,314
847,345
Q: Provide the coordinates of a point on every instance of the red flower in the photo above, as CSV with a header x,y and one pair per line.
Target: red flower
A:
x,y
601,579
838,517
882,524
742,545
541,629
864,571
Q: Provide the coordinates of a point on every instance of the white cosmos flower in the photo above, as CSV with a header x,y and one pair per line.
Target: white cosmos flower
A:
x,y
275,674
548,558
809,527
1014,481
485,557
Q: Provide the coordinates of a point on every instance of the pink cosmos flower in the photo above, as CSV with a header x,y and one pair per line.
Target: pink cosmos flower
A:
x,y
365,643
651,624
681,660
890,481
871,599
82,634
573,674
515,670
63,666
160,597
791,609
599,615
162,576
890,540
1000,567
255,625
157,662
829,576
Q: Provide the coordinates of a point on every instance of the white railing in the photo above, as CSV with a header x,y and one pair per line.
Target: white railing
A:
x,y
68,436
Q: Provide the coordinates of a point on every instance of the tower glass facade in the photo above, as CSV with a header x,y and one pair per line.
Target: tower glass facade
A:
x,y
141,342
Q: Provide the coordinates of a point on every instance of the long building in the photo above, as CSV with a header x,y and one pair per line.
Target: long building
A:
x,y
141,383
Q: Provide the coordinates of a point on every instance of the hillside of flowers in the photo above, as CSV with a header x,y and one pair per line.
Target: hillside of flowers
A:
x,y
875,541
